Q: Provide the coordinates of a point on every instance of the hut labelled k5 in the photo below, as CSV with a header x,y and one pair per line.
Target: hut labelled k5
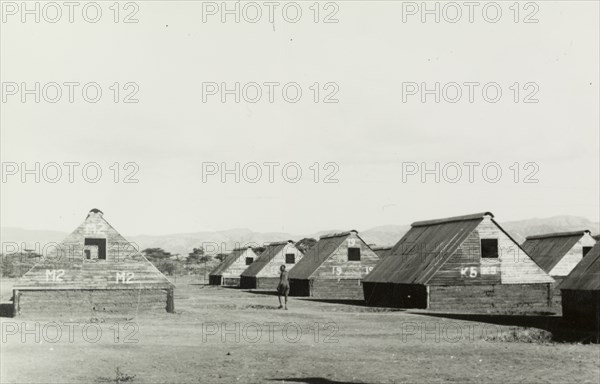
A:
x,y
264,272
464,263
228,272
581,292
93,271
333,268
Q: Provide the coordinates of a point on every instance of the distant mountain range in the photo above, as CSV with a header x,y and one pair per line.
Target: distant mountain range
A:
x,y
225,241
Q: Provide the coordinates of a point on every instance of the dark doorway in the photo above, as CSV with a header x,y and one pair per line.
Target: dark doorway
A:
x,y
100,243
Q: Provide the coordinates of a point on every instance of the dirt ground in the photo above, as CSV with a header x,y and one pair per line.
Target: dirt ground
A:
x,y
221,335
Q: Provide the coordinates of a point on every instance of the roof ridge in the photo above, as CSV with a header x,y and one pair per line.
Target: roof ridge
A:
x,y
559,234
281,242
339,234
473,216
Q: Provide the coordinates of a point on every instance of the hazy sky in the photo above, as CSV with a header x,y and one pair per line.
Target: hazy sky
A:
x,y
368,134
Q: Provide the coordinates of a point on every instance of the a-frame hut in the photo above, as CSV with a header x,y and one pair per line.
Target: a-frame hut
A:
x,y
228,272
264,272
96,271
333,268
464,263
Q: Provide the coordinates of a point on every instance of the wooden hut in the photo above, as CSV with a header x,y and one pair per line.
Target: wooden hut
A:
x,y
559,253
382,251
464,263
333,268
93,271
214,277
228,272
264,272
581,292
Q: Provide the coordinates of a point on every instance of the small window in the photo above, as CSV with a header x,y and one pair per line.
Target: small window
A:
x,y
489,248
353,254
290,258
100,243
586,250
88,253
249,260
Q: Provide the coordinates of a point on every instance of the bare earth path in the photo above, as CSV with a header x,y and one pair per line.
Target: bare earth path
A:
x,y
226,335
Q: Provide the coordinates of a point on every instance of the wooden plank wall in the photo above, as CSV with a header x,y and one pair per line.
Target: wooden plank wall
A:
x,y
94,303
505,298
67,269
272,267
239,265
231,281
337,265
466,267
346,289
267,283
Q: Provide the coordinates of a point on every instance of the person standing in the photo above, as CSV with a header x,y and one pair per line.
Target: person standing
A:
x,y
284,286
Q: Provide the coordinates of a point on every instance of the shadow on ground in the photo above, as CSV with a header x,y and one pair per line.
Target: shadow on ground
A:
x,y
257,292
561,331
313,380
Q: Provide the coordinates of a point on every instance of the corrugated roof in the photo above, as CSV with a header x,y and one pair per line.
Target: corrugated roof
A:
x,y
265,258
315,256
547,250
423,249
382,252
586,275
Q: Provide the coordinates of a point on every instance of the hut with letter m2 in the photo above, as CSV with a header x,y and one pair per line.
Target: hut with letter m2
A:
x,y
333,268
464,263
95,271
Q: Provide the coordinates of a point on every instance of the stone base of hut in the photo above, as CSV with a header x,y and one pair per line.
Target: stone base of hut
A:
x,y
581,309
92,302
506,298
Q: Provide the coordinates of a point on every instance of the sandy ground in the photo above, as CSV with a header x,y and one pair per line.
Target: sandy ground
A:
x,y
221,335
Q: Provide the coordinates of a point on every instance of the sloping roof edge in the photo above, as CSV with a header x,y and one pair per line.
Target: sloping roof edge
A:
x,y
559,234
451,219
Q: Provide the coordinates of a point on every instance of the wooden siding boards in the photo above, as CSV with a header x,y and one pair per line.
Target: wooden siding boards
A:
x,y
447,253
326,272
79,273
558,253
66,269
235,264
272,258
437,253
